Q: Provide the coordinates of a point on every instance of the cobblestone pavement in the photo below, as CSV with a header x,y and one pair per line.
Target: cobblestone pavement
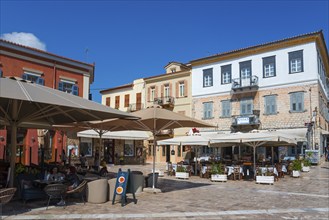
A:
x,y
306,197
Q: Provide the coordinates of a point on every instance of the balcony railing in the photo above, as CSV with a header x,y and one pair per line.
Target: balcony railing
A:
x,y
245,120
168,100
245,82
135,107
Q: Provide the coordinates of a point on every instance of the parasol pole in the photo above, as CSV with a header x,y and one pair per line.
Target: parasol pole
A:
x,y
13,143
154,148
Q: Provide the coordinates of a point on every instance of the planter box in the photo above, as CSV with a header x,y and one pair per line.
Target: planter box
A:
x,y
219,177
295,173
265,179
182,175
306,169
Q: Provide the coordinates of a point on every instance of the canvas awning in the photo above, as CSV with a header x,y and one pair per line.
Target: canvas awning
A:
x,y
193,140
122,135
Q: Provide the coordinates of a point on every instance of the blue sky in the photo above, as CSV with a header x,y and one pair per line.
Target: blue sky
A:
x,y
136,39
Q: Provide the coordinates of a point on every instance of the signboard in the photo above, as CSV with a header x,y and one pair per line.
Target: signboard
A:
x,y
121,186
242,120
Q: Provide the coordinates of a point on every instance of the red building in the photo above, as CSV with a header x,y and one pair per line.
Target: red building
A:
x,y
49,70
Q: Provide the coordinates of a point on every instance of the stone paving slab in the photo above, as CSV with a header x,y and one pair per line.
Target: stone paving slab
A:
x,y
306,197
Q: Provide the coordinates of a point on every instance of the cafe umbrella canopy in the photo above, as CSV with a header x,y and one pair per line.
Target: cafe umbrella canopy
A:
x,y
255,139
155,119
26,104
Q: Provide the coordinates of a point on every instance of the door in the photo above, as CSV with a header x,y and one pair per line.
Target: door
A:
x,y
109,151
167,153
245,73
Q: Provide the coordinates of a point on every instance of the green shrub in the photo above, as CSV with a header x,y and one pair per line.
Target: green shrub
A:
x,y
297,165
217,168
181,169
306,163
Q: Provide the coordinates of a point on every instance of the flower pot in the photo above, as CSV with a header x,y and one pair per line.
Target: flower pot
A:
x,y
219,177
265,179
182,175
295,173
306,169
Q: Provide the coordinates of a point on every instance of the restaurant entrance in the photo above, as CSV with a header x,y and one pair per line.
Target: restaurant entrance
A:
x,y
109,151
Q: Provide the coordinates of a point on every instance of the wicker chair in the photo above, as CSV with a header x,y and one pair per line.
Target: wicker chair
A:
x,y
6,195
55,191
79,190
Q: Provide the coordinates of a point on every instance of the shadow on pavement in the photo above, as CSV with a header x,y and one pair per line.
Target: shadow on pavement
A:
x,y
169,185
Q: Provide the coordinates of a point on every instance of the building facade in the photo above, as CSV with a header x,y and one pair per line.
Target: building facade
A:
x,y
276,85
170,90
49,70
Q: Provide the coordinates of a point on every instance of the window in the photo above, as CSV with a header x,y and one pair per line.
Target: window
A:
x,y
297,102
86,146
296,62
226,108
117,102
207,110
269,66
173,70
166,90
127,100
108,101
270,105
33,77
245,69
207,77
164,150
226,74
246,106
68,87
152,93
129,148
181,89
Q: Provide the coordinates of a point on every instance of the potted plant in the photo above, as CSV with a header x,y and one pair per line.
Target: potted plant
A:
x,y
265,177
218,173
296,168
181,173
306,165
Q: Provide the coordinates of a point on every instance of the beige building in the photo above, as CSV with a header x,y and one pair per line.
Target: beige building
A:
x,y
281,85
171,90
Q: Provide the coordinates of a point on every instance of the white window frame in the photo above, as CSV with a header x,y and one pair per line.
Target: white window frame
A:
x,y
152,93
296,65
166,90
269,70
226,77
181,89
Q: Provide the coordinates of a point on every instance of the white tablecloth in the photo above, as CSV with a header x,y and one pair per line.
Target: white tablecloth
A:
x,y
230,169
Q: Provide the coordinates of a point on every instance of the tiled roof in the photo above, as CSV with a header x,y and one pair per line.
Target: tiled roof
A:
x,y
260,45
44,52
118,87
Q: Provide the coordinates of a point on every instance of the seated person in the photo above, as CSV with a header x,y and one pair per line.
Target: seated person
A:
x,y
55,175
83,160
103,171
72,178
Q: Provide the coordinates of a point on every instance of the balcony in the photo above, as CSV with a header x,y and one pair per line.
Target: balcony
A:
x,y
245,83
167,101
245,122
135,107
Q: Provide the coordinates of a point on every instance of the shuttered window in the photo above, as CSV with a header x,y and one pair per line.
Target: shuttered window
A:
x,y
226,108
270,105
246,106
108,101
296,63
117,102
269,67
127,100
207,78
297,102
207,110
226,74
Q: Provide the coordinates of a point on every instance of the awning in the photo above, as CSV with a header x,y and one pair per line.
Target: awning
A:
x,y
123,135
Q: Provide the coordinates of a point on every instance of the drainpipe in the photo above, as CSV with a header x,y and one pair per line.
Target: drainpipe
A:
x,y
54,76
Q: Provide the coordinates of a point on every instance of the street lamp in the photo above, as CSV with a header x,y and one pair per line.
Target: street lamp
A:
x,y
314,126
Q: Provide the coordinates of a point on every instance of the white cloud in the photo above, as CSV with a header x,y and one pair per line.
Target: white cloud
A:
x,y
27,39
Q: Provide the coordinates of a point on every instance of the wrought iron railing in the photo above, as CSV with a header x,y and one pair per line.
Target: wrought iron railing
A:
x,y
243,82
